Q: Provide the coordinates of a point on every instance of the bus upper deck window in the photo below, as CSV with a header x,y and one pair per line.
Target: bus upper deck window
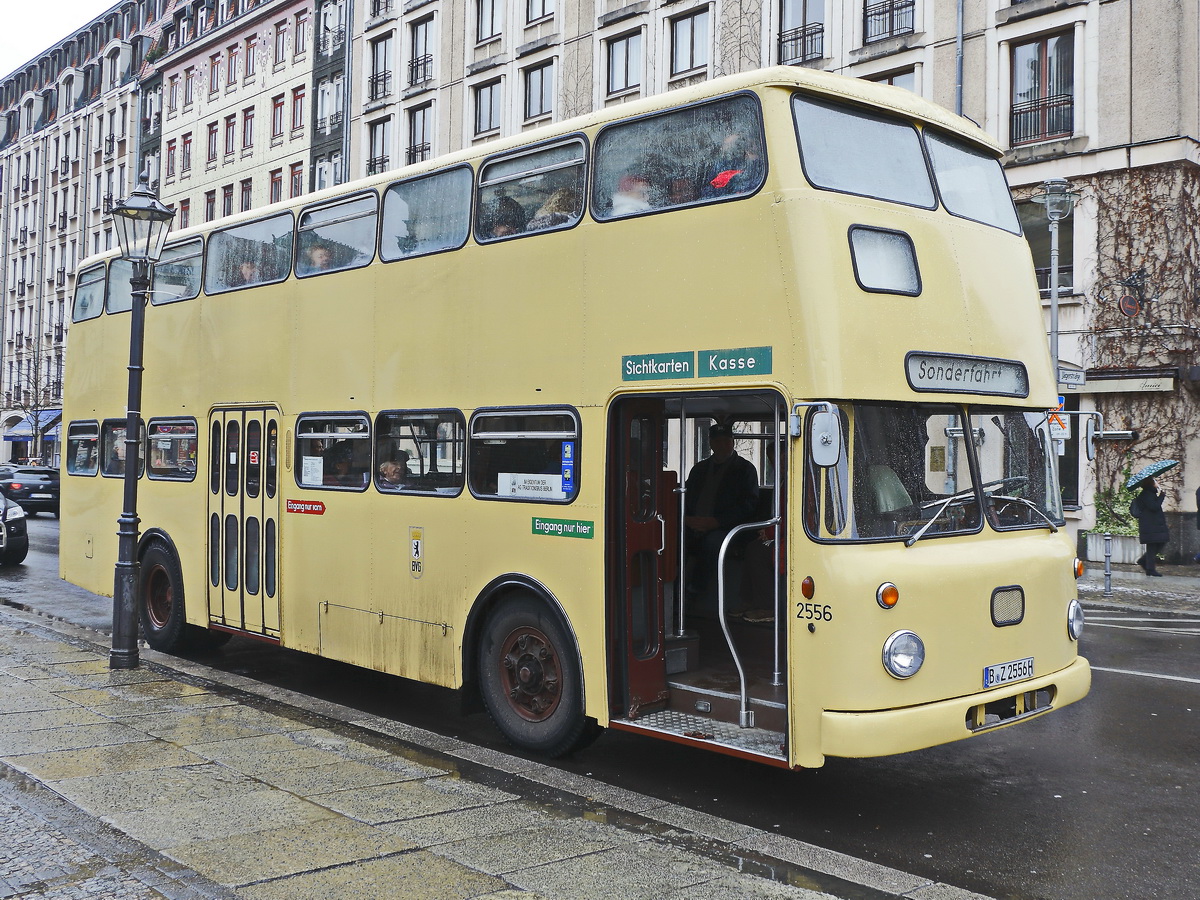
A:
x,y
971,183
539,190
699,154
89,294
177,273
426,215
119,296
857,152
83,448
338,236
245,255
528,454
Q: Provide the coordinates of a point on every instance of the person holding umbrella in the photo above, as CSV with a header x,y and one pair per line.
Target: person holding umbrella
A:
x,y
1147,508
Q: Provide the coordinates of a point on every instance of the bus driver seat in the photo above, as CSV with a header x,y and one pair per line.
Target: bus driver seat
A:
x,y
887,491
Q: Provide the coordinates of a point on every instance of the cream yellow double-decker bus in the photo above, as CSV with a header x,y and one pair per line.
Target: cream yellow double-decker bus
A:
x,y
718,417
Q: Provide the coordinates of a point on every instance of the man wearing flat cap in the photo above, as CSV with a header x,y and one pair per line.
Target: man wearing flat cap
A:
x,y
722,493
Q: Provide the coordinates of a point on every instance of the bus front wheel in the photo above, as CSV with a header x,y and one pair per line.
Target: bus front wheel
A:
x,y
160,607
529,677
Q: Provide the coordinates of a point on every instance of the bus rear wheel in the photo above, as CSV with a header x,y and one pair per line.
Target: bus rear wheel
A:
x,y
160,607
530,678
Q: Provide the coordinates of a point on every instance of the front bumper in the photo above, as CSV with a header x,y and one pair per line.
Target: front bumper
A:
x,y
886,732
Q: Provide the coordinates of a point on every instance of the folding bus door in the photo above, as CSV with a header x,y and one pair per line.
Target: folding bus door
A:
x,y
243,520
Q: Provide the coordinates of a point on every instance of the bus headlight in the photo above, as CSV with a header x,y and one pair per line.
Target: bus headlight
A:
x,y
903,654
1074,619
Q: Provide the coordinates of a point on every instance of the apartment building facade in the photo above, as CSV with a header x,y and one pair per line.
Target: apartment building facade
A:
x,y
1104,93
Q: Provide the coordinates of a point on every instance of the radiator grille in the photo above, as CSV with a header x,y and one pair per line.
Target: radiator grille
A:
x,y
1008,606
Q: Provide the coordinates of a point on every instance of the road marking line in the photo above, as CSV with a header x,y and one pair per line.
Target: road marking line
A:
x,y
1147,675
1143,628
1141,619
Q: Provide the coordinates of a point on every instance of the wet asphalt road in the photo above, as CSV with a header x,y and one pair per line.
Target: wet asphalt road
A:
x,y
1100,800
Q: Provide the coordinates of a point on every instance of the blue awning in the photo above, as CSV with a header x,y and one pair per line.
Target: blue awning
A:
x,y
23,430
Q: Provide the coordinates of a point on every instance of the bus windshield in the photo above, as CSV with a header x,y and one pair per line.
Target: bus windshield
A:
x,y
909,472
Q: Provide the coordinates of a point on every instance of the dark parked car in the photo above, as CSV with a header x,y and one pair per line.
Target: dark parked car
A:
x,y
14,538
34,487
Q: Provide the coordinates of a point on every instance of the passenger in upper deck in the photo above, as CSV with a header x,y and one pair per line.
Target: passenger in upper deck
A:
x,y
738,169
509,217
632,195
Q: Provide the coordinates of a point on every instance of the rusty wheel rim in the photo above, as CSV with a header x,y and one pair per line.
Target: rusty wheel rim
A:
x,y
530,674
158,596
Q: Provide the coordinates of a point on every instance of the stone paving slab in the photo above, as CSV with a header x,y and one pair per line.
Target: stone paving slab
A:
x,y
133,757
130,791
409,799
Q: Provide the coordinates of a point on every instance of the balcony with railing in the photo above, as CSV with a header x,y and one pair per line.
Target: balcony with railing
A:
x,y
110,145
330,122
106,204
887,20
1066,280
381,7
60,278
377,164
416,153
62,219
1042,119
803,44
379,85
332,38
420,70
64,166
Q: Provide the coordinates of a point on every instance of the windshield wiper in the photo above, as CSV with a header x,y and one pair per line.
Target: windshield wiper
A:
x,y
942,506
1030,504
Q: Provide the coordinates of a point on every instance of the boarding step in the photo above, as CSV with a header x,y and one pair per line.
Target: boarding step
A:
x,y
704,730
724,705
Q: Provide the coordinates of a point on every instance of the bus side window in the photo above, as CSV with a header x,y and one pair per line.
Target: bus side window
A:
x,y
333,452
698,154
83,448
246,255
89,294
173,449
524,455
338,236
177,273
426,215
420,452
540,190
112,448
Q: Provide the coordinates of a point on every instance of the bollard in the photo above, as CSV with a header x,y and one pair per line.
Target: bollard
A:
x,y
1107,564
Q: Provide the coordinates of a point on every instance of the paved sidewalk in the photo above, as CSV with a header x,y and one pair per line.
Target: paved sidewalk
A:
x,y
178,781
1178,590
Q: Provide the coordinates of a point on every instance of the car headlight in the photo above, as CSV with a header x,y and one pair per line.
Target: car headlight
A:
x,y
14,511
903,654
1074,619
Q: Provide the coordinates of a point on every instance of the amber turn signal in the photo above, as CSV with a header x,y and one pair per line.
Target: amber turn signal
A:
x,y
1078,567
888,595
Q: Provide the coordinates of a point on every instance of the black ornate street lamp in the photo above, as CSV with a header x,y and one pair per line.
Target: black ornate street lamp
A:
x,y
142,223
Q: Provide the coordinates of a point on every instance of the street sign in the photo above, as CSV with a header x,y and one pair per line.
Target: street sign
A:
x,y
1074,377
1060,425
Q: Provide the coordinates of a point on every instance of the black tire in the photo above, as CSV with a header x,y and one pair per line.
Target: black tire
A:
x,y
160,601
529,677
15,553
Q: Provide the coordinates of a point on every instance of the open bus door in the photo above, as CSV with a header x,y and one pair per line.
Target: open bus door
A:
x,y
646,554
243,521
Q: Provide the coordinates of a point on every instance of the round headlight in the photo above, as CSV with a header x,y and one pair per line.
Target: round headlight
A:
x,y
903,654
1074,619
14,511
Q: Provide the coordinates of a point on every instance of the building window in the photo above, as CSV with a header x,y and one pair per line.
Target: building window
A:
x,y
887,19
212,141
280,43
230,134
487,107
185,153
1037,232
689,42
247,127
247,193
277,116
297,107
379,85
1043,101
276,185
251,47
189,86
210,205
296,173
488,19
420,134
625,62
538,9
232,55
380,137
802,33
420,63
185,213
170,159
301,40
173,93
214,73
227,200
906,79
539,91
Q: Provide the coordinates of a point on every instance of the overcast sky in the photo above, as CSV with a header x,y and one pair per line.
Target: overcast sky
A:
x,y
27,27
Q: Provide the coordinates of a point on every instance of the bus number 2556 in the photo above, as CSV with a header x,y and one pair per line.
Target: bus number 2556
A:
x,y
817,612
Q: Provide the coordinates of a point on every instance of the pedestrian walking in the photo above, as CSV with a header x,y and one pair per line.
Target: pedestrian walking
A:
x,y
1147,508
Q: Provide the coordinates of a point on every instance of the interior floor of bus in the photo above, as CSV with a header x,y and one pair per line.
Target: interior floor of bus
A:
x,y
705,698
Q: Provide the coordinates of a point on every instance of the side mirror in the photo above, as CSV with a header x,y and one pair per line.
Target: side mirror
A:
x,y
825,438
1089,437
